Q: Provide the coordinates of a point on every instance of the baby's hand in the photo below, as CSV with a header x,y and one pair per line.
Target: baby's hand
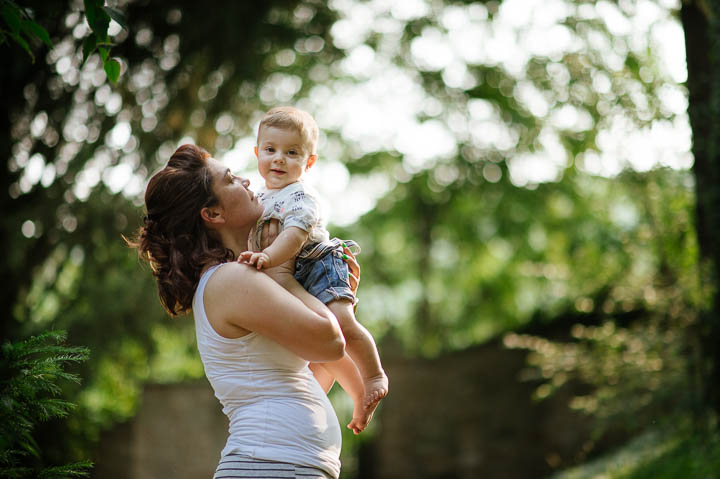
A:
x,y
258,258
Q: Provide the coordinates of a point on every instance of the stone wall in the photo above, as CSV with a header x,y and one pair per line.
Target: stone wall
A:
x,y
178,433
468,415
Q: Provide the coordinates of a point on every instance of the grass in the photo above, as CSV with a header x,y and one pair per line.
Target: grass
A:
x,y
667,454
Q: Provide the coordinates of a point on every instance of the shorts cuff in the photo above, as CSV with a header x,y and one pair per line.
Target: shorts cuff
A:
x,y
328,296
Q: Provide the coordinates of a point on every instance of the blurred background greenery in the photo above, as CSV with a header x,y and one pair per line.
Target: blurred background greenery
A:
x,y
504,165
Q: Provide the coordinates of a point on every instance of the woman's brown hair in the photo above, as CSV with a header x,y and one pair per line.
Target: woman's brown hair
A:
x,y
173,237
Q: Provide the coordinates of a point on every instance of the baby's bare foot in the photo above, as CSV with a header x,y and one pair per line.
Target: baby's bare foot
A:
x,y
361,418
376,388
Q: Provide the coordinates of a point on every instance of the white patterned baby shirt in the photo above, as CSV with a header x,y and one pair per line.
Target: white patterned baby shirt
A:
x,y
293,205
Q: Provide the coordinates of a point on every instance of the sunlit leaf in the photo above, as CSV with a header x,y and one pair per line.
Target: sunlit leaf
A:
x,y
112,69
117,15
97,17
104,52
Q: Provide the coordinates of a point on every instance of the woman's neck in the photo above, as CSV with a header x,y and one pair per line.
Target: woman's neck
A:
x,y
236,241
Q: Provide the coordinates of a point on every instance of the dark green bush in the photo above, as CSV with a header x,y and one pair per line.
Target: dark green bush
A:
x,y
29,373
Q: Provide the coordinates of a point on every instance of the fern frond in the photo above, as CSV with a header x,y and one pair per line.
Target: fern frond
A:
x,y
29,372
77,469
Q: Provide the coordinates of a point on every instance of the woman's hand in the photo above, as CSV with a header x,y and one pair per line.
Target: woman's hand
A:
x,y
353,269
270,232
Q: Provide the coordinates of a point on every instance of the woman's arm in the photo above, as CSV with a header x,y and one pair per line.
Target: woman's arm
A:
x,y
239,299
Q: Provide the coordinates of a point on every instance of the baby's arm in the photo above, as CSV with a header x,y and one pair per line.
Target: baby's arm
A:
x,y
285,247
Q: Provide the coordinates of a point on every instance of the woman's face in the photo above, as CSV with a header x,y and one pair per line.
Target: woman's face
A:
x,y
239,204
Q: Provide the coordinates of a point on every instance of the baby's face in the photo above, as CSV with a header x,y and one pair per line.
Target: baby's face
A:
x,y
282,157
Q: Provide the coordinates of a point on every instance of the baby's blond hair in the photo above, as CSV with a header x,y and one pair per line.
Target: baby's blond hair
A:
x,y
288,117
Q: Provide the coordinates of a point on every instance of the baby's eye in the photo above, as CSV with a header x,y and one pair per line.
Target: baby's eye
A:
x,y
292,152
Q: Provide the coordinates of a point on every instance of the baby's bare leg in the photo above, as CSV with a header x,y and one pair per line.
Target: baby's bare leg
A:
x,y
343,370
360,346
346,373
322,376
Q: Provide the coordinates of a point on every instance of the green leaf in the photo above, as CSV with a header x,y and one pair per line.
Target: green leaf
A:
x,y
117,15
90,11
112,69
21,41
88,47
11,15
104,52
97,18
36,30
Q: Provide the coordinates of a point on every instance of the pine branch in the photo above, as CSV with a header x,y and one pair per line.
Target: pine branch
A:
x,y
29,372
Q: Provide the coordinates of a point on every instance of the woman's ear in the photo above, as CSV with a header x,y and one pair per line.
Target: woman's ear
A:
x,y
212,215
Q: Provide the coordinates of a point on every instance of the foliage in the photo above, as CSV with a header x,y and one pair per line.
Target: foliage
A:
x,y
638,375
458,248
30,370
98,17
463,246
20,27
94,145
637,371
19,21
694,457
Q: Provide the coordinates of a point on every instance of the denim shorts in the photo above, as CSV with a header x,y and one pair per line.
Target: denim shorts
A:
x,y
325,277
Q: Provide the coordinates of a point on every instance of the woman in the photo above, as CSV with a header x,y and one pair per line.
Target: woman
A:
x,y
255,339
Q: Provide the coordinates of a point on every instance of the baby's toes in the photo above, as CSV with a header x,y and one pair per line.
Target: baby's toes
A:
x,y
374,397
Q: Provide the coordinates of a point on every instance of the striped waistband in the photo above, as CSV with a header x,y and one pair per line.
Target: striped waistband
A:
x,y
318,250
236,466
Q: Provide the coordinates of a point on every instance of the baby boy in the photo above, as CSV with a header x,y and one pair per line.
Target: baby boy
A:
x,y
286,149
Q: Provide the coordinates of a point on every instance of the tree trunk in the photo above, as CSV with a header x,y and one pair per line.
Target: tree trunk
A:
x,y
702,39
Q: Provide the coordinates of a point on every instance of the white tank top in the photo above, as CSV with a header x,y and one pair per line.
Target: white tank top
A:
x,y
277,410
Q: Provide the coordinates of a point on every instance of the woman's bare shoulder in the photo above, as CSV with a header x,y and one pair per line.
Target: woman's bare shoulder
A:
x,y
234,285
232,275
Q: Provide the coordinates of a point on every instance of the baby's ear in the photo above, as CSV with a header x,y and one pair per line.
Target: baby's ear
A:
x,y
310,161
256,151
